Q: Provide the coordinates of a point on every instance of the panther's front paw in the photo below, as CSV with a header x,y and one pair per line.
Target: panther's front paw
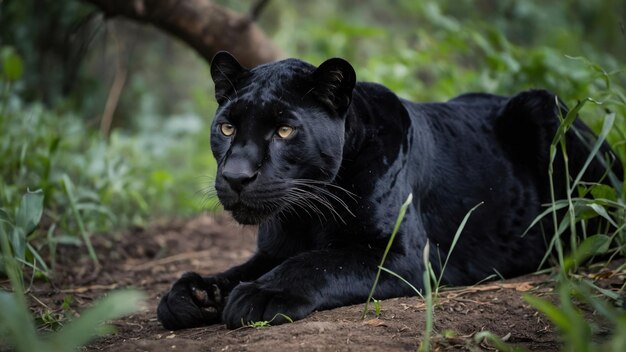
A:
x,y
193,301
252,302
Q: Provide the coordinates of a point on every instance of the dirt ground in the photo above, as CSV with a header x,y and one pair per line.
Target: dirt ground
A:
x,y
151,259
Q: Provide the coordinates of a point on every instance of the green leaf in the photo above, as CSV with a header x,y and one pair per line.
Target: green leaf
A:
x,y
26,220
16,324
10,265
596,244
18,241
4,216
88,325
601,191
30,211
600,210
592,245
12,65
5,222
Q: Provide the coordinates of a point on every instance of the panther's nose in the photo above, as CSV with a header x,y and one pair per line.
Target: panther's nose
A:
x,y
237,180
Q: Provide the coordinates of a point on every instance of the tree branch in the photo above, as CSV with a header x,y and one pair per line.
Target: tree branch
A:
x,y
257,8
205,26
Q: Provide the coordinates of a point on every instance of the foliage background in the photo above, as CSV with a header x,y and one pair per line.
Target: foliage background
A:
x,y
157,162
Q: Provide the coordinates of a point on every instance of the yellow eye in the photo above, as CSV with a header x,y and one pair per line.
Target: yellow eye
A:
x,y
227,129
284,131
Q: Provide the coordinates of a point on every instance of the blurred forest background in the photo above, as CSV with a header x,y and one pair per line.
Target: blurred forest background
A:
x,y
104,120
64,64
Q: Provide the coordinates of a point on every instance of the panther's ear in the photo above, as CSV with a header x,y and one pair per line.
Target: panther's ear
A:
x,y
334,81
224,70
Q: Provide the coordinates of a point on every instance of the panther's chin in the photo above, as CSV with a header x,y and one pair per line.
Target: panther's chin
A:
x,y
246,215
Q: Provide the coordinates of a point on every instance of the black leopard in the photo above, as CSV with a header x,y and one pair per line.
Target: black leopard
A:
x,y
321,163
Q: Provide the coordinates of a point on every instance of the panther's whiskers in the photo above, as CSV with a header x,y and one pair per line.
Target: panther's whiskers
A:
x,y
318,186
207,193
302,202
312,198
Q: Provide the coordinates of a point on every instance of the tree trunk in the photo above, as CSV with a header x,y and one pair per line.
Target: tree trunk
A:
x,y
205,26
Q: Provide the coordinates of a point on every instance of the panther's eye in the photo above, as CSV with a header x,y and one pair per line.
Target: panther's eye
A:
x,y
284,131
227,129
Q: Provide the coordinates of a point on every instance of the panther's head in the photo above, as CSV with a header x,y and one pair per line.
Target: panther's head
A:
x,y
278,133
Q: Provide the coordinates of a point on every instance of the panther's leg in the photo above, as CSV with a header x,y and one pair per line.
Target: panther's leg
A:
x,y
194,300
317,279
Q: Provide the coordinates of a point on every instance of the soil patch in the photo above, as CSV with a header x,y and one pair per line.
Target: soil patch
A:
x,y
152,258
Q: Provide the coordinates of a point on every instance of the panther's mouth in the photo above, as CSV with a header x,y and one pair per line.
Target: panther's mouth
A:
x,y
248,215
251,206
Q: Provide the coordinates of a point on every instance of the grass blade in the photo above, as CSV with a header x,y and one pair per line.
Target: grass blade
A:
x,y
403,280
399,219
609,120
69,189
428,298
455,239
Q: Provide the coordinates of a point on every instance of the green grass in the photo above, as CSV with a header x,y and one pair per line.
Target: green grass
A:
x,y
89,183
19,330
16,323
606,203
61,182
430,280
396,227
265,323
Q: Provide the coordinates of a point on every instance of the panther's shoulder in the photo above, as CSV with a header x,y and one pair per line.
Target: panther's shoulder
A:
x,y
478,99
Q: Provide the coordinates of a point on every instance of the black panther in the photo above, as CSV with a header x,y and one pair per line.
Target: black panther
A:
x,y
321,163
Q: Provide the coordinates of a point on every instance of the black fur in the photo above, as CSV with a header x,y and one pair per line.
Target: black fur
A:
x,y
327,196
